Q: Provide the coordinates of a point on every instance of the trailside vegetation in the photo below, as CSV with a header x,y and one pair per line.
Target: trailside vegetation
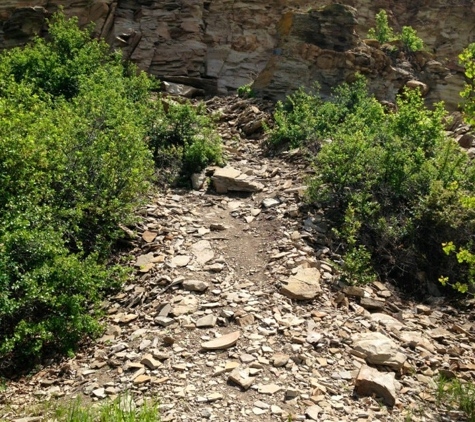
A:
x,y
79,131
392,185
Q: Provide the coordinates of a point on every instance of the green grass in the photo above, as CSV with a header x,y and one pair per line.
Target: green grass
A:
x,y
122,409
455,394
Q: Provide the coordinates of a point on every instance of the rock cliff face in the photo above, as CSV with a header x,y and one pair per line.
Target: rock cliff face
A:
x,y
220,45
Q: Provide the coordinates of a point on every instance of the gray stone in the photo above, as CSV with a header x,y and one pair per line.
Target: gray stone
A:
x,y
188,305
313,411
164,321
99,393
270,202
180,260
195,285
198,180
269,389
203,251
207,321
370,303
279,359
181,90
149,361
143,260
387,321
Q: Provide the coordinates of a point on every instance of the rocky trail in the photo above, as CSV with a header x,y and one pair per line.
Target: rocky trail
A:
x,y
236,312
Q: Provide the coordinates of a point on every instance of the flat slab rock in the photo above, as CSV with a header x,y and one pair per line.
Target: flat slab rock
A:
x,y
370,381
223,342
378,349
202,251
229,179
188,305
305,285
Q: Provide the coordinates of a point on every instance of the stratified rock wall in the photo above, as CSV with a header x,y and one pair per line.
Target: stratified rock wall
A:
x,y
219,45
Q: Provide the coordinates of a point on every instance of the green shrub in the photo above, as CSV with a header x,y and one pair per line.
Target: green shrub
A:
x,y
56,66
308,120
467,60
183,138
384,34
246,91
410,39
73,165
391,185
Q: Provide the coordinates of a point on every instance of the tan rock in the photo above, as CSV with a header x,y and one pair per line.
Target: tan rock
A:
x,y
195,285
371,382
241,377
188,305
180,260
229,179
149,361
149,236
378,349
203,251
224,342
305,285
141,379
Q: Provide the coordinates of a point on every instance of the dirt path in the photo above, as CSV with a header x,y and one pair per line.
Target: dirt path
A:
x,y
210,264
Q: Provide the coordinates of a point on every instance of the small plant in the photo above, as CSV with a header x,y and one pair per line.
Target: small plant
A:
x,y
410,39
246,91
455,394
384,34
467,59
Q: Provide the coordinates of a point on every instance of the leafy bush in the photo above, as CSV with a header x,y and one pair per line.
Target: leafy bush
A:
x,y
467,60
246,91
384,34
183,138
73,165
390,184
308,120
410,39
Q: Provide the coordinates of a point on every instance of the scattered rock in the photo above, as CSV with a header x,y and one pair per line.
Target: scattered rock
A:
x,y
270,202
180,260
208,321
187,305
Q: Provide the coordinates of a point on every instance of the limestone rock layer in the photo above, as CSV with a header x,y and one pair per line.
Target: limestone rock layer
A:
x,y
220,45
